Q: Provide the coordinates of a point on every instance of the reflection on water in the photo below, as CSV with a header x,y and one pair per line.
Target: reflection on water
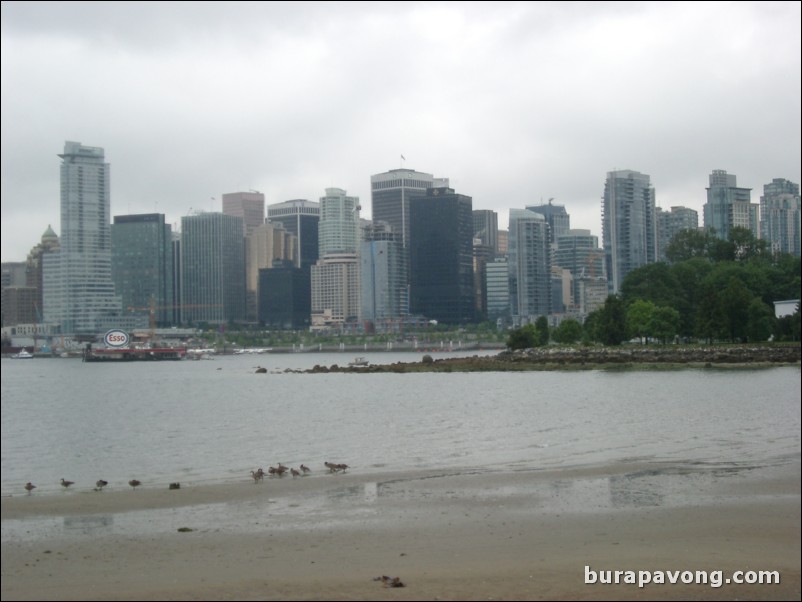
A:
x,y
96,524
333,506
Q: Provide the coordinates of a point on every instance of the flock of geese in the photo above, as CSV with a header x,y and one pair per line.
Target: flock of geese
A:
x,y
280,470
258,475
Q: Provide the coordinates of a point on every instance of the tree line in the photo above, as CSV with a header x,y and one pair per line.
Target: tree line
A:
x,y
709,290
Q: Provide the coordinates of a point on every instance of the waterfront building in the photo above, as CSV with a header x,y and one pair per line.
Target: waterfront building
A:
x,y
78,290
338,229
780,216
628,224
212,269
578,251
391,193
250,206
285,296
557,218
498,289
49,243
441,256
670,223
383,278
265,245
485,249
142,266
529,266
729,206
336,292
301,218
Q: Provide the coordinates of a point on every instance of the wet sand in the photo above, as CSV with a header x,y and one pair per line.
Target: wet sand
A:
x,y
459,535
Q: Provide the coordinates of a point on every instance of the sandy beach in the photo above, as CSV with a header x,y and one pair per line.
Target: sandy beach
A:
x,y
460,535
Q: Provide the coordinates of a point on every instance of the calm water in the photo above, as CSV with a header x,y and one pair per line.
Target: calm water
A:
x,y
214,421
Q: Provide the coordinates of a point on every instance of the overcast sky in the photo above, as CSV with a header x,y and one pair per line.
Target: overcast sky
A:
x,y
516,103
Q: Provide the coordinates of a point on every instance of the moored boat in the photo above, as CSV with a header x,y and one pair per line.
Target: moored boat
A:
x,y
134,354
23,354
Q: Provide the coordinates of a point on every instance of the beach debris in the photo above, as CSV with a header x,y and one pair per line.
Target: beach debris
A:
x,y
185,530
134,483
390,581
175,486
29,487
100,484
66,484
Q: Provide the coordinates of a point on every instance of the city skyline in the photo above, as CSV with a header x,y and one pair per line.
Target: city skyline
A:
x,y
515,103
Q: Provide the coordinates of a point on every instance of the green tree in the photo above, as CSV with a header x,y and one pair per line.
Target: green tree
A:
x,y
569,331
688,244
745,245
665,323
611,323
734,303
524,337
542,330
760,321
639,318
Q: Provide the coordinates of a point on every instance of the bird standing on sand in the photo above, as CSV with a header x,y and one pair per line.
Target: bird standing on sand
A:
x,y
66,484
134,483
101,484
29,487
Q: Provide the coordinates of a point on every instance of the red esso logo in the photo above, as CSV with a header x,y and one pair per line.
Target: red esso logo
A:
x,y
116,338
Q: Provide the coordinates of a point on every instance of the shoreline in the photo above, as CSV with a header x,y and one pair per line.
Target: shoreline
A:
x,y
664,358
449,535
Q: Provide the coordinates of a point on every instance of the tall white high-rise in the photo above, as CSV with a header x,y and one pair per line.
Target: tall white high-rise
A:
x,y
78,288
628,224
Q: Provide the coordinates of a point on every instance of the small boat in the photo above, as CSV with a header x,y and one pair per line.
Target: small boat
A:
x,y
359,361
22,355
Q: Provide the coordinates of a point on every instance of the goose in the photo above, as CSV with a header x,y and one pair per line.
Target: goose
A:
x,y
134,483
29,487
66,484
101,484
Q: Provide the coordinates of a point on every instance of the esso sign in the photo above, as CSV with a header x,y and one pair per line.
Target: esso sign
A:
x,y
116,338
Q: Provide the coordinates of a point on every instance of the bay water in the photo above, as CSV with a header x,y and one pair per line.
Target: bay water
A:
x,y
199,422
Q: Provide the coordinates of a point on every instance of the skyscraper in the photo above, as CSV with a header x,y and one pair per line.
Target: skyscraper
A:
x,y
671,223
391,193
250,206
142,265
301,218
335,276
383,278
339,223
212,268
78,288
529,266
441,256
729,206
578,251
780,216
628,224
556,217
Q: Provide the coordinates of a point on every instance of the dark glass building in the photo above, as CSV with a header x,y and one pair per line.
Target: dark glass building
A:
x,y
285,297
142,265
441,256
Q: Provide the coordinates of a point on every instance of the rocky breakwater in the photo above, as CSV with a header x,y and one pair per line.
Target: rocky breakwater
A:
x,y
588,358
